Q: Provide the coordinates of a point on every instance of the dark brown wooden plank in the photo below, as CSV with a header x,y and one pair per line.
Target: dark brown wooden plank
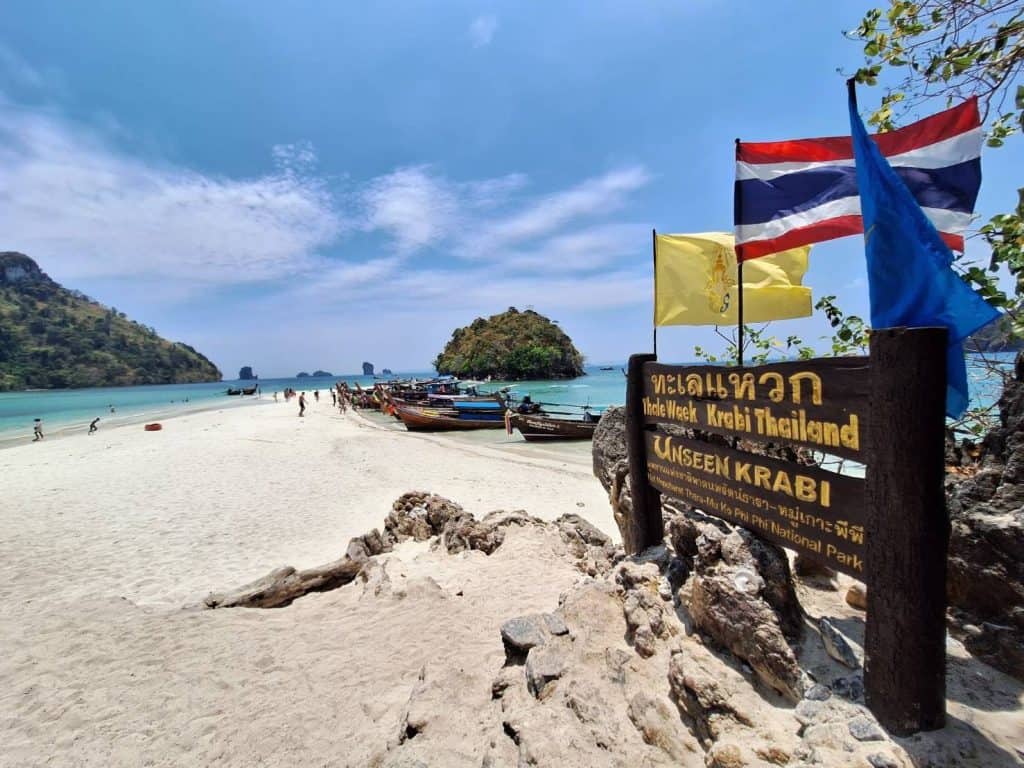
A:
x,y
807,509
819,404
644,528
905,637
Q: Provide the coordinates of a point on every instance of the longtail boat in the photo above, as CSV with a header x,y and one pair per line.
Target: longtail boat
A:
x,y
419,419
540,427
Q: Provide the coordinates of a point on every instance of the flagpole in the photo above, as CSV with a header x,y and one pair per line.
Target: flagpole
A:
x,y
654,253
738,216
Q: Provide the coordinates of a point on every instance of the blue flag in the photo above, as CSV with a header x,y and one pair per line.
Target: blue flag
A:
x,y
910,277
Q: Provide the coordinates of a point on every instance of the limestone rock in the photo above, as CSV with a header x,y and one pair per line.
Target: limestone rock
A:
x,y
544,664
367,545
814,572
857,596
420,516
742,596
611,466
521,634
836,644
467,533
863,728
659,725
609,446
985,580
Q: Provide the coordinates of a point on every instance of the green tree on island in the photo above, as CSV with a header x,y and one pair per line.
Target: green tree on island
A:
x,y
51,337
511,346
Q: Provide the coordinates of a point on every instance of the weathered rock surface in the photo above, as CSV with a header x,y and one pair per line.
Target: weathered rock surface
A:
x,y
836,644
985,580
741,595
611,467
420,516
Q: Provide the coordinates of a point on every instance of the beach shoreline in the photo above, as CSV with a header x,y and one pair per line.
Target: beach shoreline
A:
x,y
11,438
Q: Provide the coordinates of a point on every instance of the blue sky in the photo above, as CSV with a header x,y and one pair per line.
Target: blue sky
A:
x,y
308,185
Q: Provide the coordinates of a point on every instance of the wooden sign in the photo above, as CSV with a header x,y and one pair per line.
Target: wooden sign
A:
x,y
818,404
807,509
889,529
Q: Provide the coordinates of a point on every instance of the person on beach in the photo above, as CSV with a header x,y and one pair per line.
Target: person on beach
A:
x,y
302,404
275,395
37,430
92,425
334,398
316,395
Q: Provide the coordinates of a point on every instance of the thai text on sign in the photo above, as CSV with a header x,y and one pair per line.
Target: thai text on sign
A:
x,y
817,404
811,510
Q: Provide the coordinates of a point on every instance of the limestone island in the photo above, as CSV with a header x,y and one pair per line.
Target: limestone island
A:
x,y
511,346
54,338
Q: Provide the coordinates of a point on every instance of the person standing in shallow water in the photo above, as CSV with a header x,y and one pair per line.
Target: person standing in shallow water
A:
x,y
302,404
37,430
92,425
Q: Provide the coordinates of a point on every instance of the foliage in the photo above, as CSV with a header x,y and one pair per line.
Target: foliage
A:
x,y
51,337
511,346
951,50
849,337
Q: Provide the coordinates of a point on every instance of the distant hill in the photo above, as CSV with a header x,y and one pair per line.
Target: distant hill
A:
x,y
513,345
994,337
52,337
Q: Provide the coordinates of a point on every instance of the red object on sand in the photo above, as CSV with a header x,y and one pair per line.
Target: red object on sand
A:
x,y
153,427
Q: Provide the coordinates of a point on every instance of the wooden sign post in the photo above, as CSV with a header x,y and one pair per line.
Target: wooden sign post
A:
x,y
888,529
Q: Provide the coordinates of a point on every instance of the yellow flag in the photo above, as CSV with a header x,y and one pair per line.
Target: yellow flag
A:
x,y
695,282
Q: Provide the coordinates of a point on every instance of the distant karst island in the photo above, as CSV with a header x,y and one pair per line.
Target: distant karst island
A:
x,y
53,337
511,346
314,375
246,374
367,369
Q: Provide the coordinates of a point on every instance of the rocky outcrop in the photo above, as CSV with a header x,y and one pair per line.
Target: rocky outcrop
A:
x,y
420,516
741,594
618,672
367,369
985,581
245,373
742,597
611,467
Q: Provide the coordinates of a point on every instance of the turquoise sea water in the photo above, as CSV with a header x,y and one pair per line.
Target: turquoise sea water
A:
x,y
71,410
65,411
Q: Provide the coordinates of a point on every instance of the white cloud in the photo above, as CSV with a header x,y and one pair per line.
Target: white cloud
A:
x,y
94,215
416,208
86,210
482,29
549,214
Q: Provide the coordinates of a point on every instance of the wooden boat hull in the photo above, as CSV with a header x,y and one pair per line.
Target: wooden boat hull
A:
x,y
539,428
433,420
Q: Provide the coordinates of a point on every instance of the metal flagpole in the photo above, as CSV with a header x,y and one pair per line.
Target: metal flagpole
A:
x,y
738,217
654,252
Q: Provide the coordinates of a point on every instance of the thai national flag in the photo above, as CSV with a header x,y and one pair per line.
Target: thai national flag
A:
x,y
793,193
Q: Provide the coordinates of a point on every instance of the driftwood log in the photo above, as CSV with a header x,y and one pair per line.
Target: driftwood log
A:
x,y
283,585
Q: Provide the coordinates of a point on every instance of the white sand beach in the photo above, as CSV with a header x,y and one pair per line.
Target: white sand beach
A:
x,y
111,542
106,540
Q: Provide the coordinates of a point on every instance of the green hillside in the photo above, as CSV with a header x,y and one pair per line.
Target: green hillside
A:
x,y
511,346
51,337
